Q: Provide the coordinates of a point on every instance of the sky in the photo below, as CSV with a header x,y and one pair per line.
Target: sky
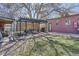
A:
x,y
74,6
66,5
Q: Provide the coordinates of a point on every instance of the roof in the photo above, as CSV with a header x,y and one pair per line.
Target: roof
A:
x,y
32,20
6,18
63,17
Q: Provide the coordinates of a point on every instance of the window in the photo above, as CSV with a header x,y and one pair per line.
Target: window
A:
x,y
67,21
75,24
57,22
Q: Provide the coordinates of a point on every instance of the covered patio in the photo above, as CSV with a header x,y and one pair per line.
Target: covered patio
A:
x,y
30,25
4,21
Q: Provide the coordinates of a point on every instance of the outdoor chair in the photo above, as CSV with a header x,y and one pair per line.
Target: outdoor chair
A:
x,y
29,31
77,30
35,32
1,39
5,34
12,37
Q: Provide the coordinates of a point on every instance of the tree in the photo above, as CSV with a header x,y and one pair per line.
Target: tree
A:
x,y
45,10
67,9
10,9
37,10
40,10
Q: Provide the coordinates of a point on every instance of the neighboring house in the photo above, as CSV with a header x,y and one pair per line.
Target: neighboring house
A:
x,y
68,24
5,24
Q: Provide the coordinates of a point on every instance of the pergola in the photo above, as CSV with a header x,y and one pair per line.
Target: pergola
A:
x,y
27,20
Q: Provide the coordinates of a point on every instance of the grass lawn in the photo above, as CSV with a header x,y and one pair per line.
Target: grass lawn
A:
x,y
50,45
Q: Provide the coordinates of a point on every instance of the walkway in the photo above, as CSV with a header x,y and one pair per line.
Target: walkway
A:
x,y
64,34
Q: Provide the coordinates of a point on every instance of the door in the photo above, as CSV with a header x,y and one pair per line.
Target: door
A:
x,y
49,27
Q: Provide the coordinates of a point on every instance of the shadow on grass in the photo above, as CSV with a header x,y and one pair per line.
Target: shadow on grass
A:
x,y
68,49
51,42
39,48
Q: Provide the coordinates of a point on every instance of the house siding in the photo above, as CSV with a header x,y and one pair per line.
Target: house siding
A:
x,y
58,25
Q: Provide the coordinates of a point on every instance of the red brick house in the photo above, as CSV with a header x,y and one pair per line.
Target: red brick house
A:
x,y
68,24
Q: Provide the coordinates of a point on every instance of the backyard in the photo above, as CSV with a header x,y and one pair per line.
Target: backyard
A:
x,y
46,45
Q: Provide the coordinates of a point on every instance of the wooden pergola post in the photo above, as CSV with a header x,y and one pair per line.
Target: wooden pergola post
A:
x,y
33,26
46,27
11,28
39,27
20,26
17,27
25,25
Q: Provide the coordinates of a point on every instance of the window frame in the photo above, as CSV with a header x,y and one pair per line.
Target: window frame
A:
x,y
67,21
